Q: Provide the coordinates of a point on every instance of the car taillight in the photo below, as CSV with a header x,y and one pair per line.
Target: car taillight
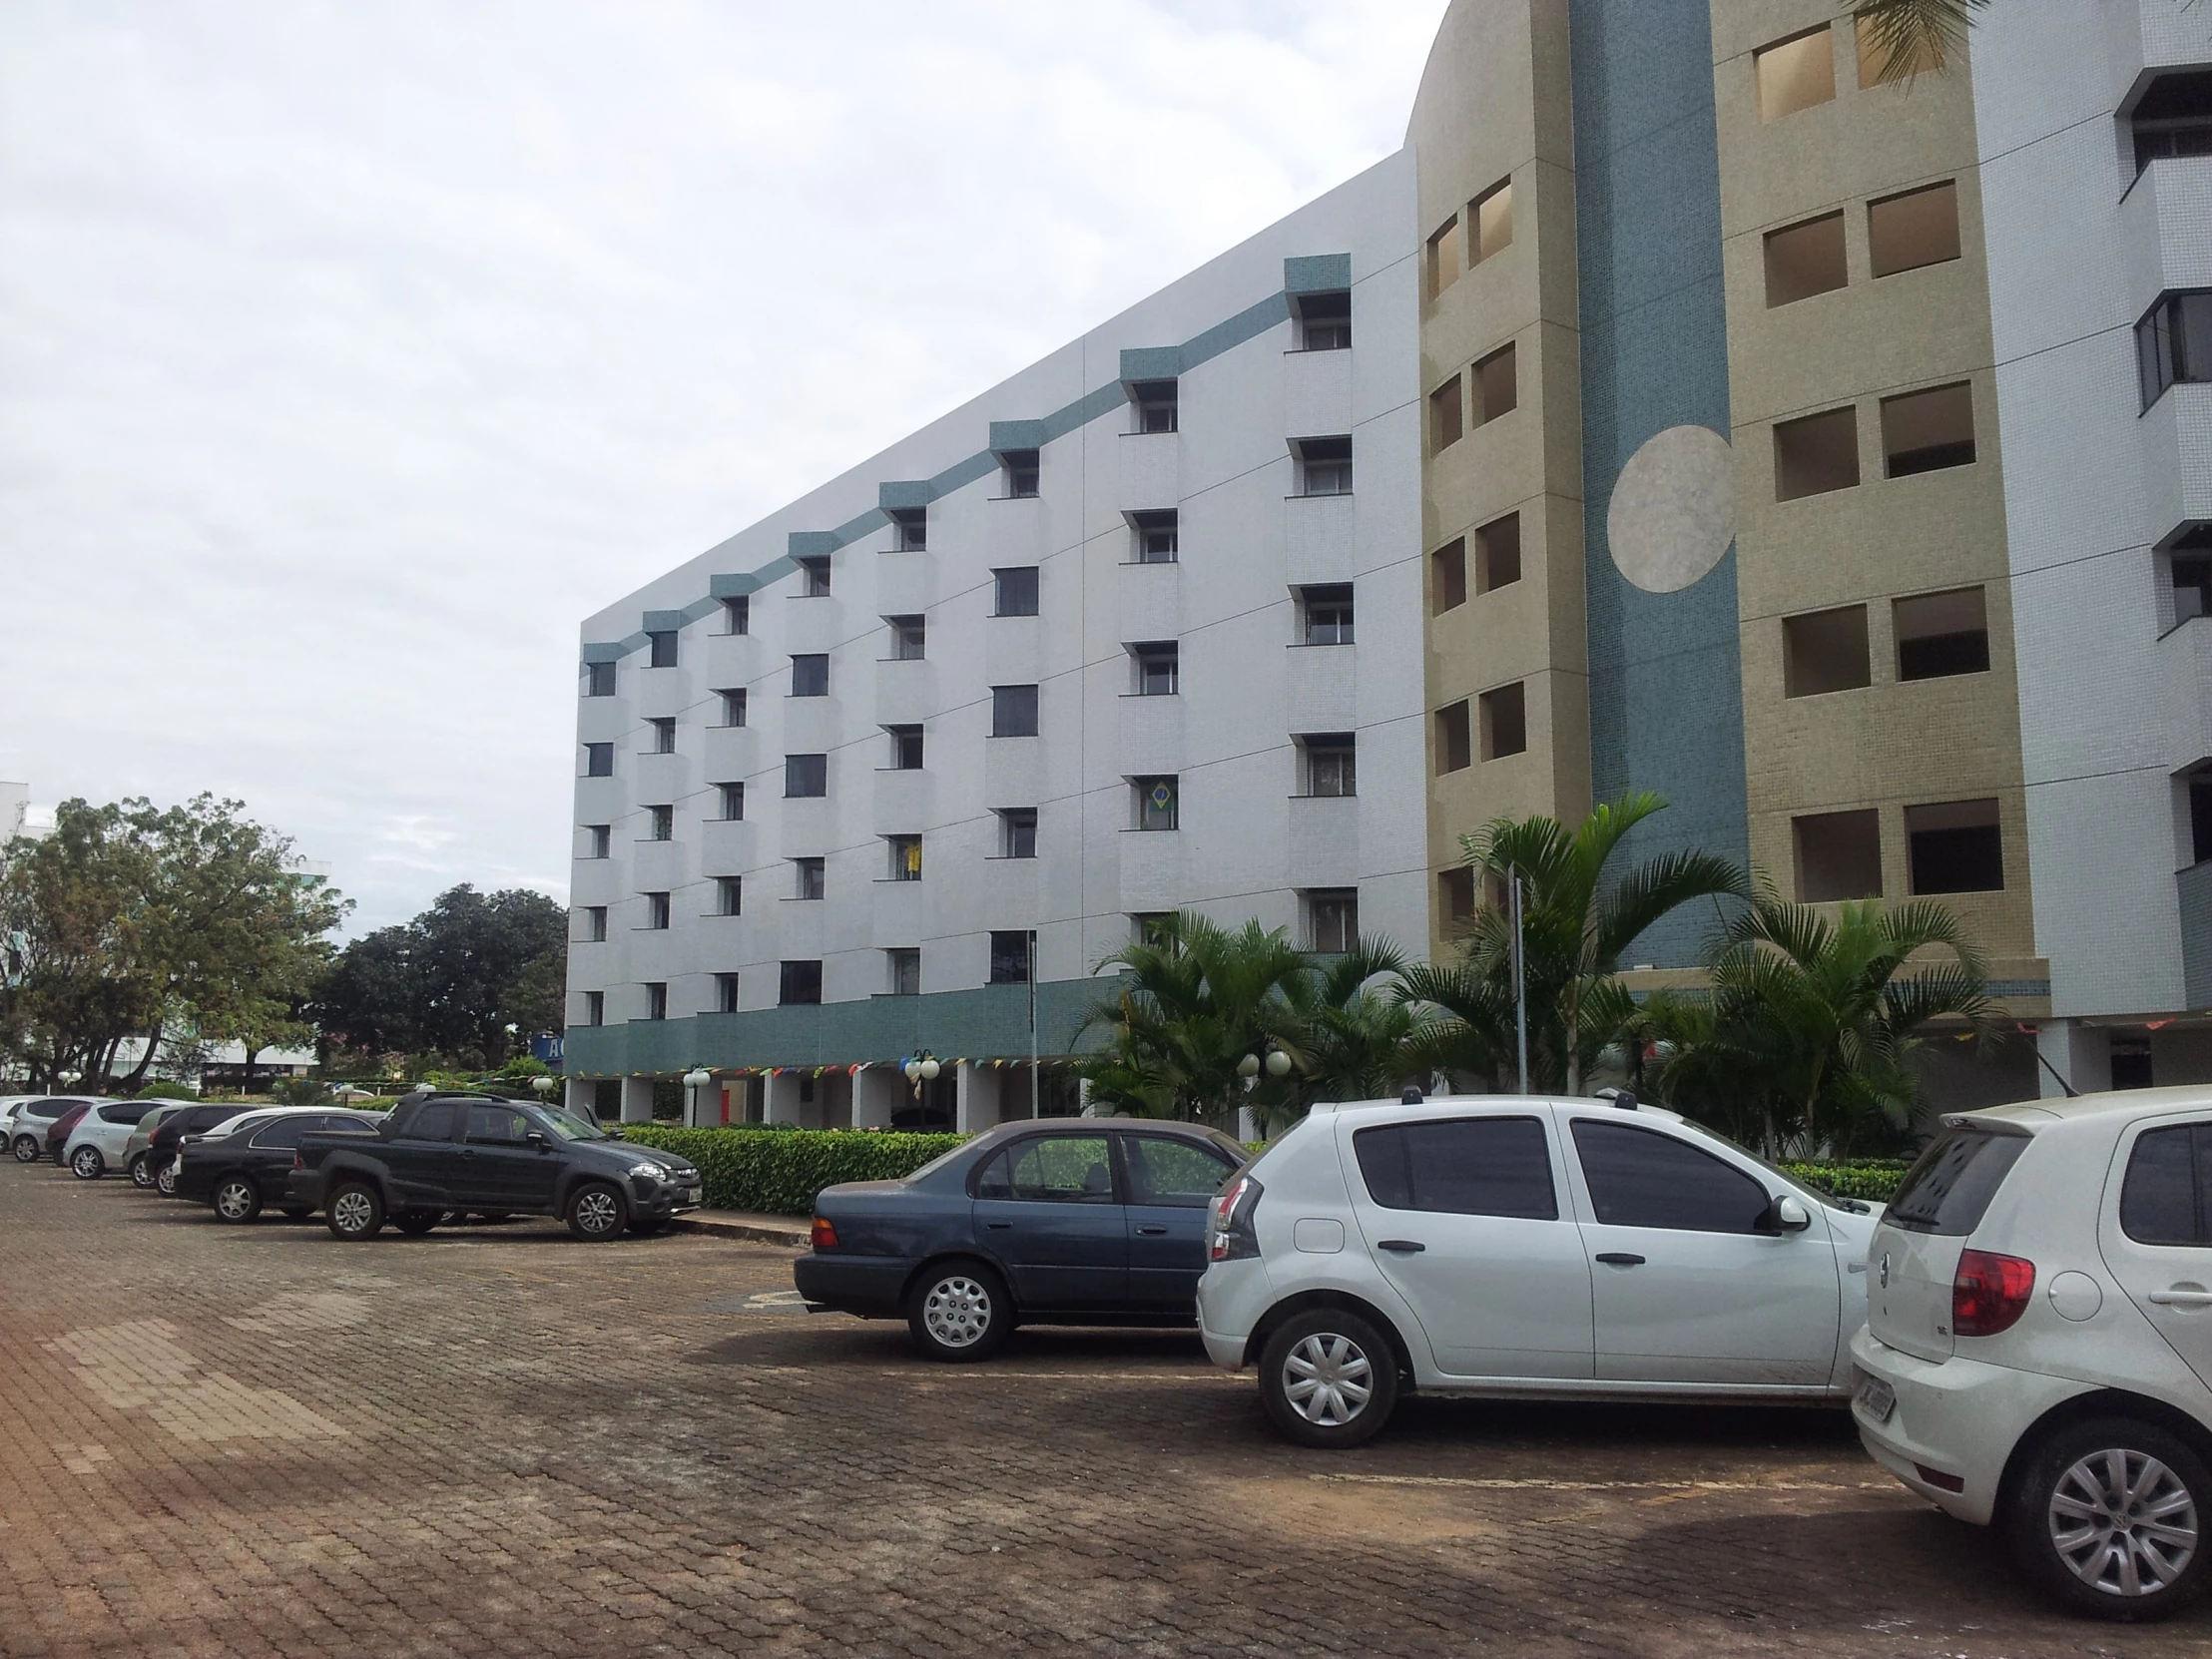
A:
x,y
299,1160
826,1236
1990,1292
1229,1233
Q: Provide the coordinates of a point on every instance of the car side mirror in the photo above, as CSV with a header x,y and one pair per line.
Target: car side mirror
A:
x,y
536,1138
1784,1215
614,1134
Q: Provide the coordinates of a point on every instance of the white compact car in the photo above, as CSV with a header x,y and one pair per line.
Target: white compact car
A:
x,y
1527,1248
31,1118
2038,1346
96,1144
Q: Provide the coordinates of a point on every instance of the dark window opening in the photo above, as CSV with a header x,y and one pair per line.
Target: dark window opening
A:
x,y
655,1000
1919,227
733,801
1333,921
1327,614
910,530
660,824
1805,259
599,760
906,748
1942,633
737,615
2130,1060
1956,846
1445,416
1925,432
905,857
663,734
806,776
2192,573
1019,469
599,679
730,895
1325,322
1448,576
733,706
1454,746
1498,560
814,577
1504,722
2173,342
602,837
663,648
1013,711
1496,386
909,638
1158,802
725,993
1018,832
1825,651
1456,894
1010,958
1014,591
811,674
656,911
1158,535
1839,856
800,983
595,1007
1156,668
811,879
1324,465
1815,453
1331,763
904,969
1156,402
2173,116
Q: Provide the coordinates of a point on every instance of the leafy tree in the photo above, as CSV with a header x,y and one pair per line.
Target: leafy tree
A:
x,y
453,979
1356,1041
1808,1036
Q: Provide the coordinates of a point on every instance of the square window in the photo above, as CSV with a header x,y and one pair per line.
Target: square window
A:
x,y
1158,801
906,748
595,924
1825,651
1498,554
1158,536
660,824
814,577
663,648
595,1007
1333,920
655,1000
1014,591
1018,832
1794,74
2190,571
599,760
662,734
2198,785
1444,257
1150,927
1013,711
599,679
1155,667
1838,854
737,613
909,638
1020,469
1496,386
1156,404
905,859
810,877
1445,415
910,530
1010,958
1448,576
1805,259
1324,465
1504,722
1925,432
725,993
733,705
1815,453
1942,633
1327,613
806,776
729,895
1455,745
811,674
801,983
600,838
733,801
1456,894
1493,218
1956,846
1331,763
1324,322
656,911
903,971
1919,227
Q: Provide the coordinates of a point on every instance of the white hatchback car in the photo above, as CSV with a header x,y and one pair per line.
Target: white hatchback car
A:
x,y
2038,1346
96,1144
1527,1248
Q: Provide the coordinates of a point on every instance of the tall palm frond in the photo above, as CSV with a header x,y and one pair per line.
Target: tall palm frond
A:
x,y
1906,36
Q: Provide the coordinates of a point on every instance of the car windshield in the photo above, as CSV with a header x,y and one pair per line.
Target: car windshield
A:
x,y
566,1127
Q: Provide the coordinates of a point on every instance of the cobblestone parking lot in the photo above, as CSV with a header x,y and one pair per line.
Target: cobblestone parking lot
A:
x,y
499,1441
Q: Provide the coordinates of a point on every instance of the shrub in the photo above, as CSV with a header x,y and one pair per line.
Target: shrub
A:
x,y
167,1091
779,1174
1874,1180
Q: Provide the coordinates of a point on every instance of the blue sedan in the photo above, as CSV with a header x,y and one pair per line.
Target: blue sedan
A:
x,y
1080,1220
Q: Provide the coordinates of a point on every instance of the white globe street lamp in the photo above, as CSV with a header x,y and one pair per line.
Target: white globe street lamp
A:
x,y
1278,1063
696,1079
543,1085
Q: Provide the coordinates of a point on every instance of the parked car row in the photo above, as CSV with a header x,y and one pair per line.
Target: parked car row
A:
x,y
2036,1351
433,1156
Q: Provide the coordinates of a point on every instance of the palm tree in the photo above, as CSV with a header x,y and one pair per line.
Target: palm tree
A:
x,y
1466,1029
1577,923
1809,1031
1910,35
1356,1042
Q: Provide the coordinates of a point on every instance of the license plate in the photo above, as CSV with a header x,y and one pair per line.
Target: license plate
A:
x,y
1876,1397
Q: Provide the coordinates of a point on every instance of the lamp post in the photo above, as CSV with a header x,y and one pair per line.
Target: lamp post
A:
x,y
696,1079
1521,985
543,1086
922,1068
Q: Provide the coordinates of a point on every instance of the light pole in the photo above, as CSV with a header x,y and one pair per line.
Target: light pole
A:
x,y
1248,1070
696,1079
543,1087
922,1068
1520,983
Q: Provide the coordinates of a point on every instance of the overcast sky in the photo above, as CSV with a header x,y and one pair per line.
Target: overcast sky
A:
x,y
351,355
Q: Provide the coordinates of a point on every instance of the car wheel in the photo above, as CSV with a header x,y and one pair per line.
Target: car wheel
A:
x,y
165,1179
355,1211
296,1211
25,1149
2109,1518
86,1164
598,1212
142,1169
1328,1378
959,1311
236,1200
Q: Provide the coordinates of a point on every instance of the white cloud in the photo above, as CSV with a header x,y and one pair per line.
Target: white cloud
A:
x,y
356,354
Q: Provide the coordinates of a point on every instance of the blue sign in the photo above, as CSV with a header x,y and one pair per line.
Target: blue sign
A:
x,y
546,1051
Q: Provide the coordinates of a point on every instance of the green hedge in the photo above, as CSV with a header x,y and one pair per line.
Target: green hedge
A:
x,y
1872,1179
779,1171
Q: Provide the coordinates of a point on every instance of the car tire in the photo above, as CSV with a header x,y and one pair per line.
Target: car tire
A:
x,y
86,1164
597,1212
355,1211
236,1200
294,1212
165,1178
2109,1516
1328,1378
142,1171
415,1223
25,1148
960,1312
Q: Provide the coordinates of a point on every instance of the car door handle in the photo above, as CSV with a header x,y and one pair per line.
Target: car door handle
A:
x,y
2183,1296
1403,1247
1619,1258
1151,1232
999,1225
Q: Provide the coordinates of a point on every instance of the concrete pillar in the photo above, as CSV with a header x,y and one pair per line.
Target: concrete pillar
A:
x,y
835,1093
703,1105
1083,1098
2081,1054
581,1094
976,1102
783,1098
637,1100
877,1093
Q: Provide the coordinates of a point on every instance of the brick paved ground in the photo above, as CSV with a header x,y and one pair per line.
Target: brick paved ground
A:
x,y
498,1441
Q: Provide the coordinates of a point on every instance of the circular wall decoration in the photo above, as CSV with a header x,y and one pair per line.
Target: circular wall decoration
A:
x,y
1674,509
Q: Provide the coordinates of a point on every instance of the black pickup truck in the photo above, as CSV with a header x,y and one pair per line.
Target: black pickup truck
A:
x,y
440,1152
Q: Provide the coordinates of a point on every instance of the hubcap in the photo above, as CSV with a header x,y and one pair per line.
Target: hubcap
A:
x,y
167,1180
233,1200
1327,1379
87,1160
352,1212
2123,1522
958,1312
26,1149
142,1174
596,1211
